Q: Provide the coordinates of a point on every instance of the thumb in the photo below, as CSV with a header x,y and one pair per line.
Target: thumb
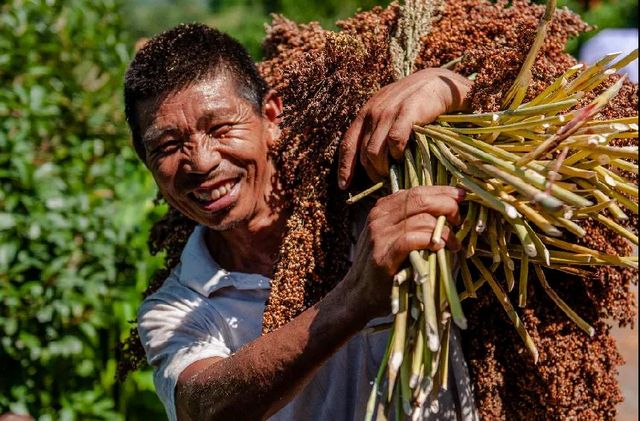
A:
x,y
348,152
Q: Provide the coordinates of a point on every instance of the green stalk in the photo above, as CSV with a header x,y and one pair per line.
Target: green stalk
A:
x,y
525,238
471,243
625,60
466,276
555,87
550,203
617,228
430,311
536,180
444,357
625,152
423,145
450,289
540,247
405,390
481,223
353,199
569,225
539,121
505,209
612,259
417,357
476,285
568,129
399,337
519,112
560,303
592,209
518,90
587,78
602,198
533,216
506,304
508,264
617,182
492,232
623,200
410,170
625,165
375,390
468,222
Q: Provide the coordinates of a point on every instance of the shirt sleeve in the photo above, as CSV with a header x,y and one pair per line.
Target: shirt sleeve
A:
x,y
177,327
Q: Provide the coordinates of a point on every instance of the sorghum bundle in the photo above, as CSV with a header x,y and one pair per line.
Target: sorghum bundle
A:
x,y
324,78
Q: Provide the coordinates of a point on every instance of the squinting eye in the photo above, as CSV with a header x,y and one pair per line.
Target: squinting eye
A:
x,y
219,130
167,147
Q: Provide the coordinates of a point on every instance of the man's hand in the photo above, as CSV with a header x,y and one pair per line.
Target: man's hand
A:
x,y
398,224
384,123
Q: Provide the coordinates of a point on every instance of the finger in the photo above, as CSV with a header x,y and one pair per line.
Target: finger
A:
x,y
399,132
422,222
455,193
404,204
435,205
348,152
450,239
406,243
376,149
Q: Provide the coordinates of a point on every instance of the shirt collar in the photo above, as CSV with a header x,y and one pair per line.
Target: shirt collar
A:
x,y
202,274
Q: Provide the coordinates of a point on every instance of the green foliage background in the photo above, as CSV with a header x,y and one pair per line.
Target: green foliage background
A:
x,y
76,205
75,209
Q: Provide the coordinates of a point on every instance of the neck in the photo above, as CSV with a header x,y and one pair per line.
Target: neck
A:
x,y
252,246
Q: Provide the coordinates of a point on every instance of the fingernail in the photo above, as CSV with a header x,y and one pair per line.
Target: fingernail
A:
x,y
342,184
461,194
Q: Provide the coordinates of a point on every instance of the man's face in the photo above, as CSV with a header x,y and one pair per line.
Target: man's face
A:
x,y
207,150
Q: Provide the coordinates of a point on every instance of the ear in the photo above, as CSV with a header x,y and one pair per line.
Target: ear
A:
x,y
271,111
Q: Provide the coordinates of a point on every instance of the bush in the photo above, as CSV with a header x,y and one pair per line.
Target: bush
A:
x,y
75,210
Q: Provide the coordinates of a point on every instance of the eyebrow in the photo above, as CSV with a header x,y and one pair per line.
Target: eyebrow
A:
x,y
216,114
154,133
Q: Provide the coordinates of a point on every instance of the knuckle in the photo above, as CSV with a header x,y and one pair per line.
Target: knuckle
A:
x,y
396,135
387,113
375,215
385,201
345,148
419,197
372,150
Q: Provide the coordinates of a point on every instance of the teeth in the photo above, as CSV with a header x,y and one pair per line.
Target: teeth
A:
x,y
214,194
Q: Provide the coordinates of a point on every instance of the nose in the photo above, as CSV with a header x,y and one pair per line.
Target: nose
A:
x,y
203,156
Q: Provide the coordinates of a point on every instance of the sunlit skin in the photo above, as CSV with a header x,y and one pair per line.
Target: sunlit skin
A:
x,y
203,138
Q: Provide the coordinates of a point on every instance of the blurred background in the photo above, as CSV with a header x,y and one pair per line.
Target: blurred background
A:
x,y
75,204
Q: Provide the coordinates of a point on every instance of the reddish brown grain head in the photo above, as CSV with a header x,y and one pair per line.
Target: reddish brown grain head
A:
x,y
324,78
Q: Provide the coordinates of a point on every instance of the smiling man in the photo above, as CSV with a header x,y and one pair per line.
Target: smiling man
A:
x,y
203,121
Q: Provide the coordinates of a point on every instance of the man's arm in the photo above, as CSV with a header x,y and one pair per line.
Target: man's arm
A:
x,y
264,375
267,373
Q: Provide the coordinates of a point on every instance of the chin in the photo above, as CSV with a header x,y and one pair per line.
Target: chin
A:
x,y
227,223
224,226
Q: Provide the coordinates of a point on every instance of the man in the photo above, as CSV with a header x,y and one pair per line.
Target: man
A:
x,y
203,121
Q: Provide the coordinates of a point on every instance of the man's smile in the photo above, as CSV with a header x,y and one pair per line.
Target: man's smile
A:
x,y
216,196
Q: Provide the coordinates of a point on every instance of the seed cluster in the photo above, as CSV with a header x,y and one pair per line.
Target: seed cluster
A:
x,y
322,89
324,77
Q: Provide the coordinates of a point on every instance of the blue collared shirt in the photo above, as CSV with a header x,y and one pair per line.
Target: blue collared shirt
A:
x,y
204,311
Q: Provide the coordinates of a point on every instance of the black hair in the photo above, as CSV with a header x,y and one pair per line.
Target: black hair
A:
x,y
182,55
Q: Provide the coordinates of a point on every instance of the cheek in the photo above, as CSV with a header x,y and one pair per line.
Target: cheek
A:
x,y
163,174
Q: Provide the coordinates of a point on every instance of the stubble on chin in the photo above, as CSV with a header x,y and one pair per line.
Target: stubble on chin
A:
x,y
228,226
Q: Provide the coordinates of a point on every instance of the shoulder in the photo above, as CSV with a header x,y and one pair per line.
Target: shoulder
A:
x,y
176,316
172,298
